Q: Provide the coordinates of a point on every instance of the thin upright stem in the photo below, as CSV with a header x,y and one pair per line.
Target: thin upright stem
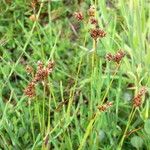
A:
x,y
118,65
31,119
91,123
94,53
88,130
132,113
43,113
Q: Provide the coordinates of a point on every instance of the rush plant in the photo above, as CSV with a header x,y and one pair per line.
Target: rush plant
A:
x,y
74,75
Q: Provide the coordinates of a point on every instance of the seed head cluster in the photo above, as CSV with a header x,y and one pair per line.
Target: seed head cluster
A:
x,y
117,57
137,101
79,16
95,32
41,73
105,106
30,90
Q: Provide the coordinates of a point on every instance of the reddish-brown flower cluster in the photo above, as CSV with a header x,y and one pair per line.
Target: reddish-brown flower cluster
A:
x,y
41,74
117,57
97,33
30,90
105,106
137,101
79,16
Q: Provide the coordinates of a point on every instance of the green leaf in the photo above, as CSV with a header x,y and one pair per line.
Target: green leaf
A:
x,y
137,142
147,126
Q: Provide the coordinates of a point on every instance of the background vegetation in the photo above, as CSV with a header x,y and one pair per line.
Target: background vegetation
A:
x,y
58,117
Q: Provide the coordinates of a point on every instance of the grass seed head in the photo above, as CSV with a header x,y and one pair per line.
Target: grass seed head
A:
x,y
105,106
79,16
41,73
137,101
30,90
97,33
117,57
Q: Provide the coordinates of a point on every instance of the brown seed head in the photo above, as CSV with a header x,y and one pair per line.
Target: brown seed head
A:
x,y
97,33
41,73
105,106
79,16
137,101
118,56
30,90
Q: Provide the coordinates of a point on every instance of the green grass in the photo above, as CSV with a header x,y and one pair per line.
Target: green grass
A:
x,y
64,116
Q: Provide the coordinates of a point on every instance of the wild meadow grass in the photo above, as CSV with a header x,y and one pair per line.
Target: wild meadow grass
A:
x,y
74,75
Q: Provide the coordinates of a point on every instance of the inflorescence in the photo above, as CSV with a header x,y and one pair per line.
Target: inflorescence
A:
x,y
95,32
137,101
41,74
105,106
117,57
79,16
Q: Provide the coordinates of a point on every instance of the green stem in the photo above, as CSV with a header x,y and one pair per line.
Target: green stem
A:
x,y
90,125
88,130
94,54
31,120
43,113
132,113
73,91
118,65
